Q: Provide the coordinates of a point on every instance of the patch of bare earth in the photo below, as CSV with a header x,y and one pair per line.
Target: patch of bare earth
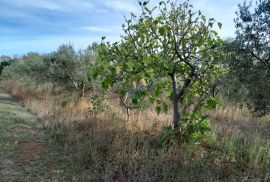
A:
x,y
28,151
22,142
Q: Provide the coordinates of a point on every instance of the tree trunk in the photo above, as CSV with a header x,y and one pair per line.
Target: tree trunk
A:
x,y
214,90
73,81
176,111
83,89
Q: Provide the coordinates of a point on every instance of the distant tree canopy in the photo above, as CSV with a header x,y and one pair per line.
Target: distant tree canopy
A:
x,y
251,63
167,54
66,68
4,61
70,68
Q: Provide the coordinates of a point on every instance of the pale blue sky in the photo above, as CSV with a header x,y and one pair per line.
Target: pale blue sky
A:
x,y
42,25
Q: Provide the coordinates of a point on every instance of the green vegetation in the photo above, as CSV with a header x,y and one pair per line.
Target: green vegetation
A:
x,y
170,101
4,61
250,60
170,56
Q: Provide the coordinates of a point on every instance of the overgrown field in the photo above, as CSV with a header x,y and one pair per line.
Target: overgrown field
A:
x,y
170,101
107,146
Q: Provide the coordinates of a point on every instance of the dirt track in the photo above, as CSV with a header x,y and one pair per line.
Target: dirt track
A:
x,y
23,142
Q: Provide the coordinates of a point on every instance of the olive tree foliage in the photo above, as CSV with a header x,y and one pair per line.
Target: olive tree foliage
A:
x,y
87,60
30,69
229,86
66,68
252,60
63,64
165,57
69,68
253,31
4,61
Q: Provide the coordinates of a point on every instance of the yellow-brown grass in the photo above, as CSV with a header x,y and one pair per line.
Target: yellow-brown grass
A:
x,y
111,147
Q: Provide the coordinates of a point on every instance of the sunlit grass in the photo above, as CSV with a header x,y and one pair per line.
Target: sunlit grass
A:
x,y
111,146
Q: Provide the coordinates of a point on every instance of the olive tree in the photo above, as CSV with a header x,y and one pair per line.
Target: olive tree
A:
x,y
4,61
63,66
252,61
86,59
69,68
166,54
253,31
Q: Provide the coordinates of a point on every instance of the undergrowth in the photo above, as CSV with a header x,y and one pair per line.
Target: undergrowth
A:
x,y
110,147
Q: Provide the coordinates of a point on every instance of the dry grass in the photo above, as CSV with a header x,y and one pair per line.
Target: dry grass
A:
x,y
232,112
108,147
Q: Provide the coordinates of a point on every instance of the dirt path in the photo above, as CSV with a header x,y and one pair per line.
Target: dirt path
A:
x,y
23,143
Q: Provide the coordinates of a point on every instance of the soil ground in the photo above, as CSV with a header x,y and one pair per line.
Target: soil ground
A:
x,y
23,142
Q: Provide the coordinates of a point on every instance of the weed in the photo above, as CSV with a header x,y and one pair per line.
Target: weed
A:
x,y
108,147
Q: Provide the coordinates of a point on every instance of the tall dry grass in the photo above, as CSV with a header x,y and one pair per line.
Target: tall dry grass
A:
x,y
111,147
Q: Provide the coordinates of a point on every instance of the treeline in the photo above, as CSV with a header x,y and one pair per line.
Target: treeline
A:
x,y
65,68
